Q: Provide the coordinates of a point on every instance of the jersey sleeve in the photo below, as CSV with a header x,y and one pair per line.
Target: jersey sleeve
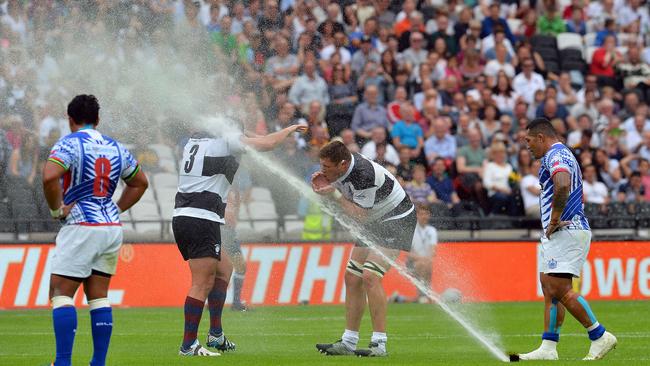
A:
x,y
560,161
63,153
235,144
130,166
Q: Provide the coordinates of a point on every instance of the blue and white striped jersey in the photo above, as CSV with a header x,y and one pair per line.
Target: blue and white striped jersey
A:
x,y
560,159
94,164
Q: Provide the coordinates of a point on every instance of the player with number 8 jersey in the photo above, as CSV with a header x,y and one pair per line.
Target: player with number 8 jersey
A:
x,y
94,164
79,179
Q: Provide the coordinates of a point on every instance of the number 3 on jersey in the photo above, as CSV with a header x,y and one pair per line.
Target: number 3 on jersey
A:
x,y
193,160
102,177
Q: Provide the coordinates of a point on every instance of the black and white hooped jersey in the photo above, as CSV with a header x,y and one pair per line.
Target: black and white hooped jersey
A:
x,y
371,186
206,173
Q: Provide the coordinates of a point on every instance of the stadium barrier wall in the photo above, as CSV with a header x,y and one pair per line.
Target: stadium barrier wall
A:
x,y
290,273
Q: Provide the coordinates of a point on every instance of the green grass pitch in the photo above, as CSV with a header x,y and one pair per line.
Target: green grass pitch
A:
x,y
418,335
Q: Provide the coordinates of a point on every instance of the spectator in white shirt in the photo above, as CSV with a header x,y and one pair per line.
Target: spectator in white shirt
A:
x,y
378,138
496,175
309,87
530,190
493,67
594,191
528,82
425,239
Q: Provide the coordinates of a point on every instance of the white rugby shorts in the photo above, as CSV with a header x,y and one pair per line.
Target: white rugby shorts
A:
x,y
81,249
565,251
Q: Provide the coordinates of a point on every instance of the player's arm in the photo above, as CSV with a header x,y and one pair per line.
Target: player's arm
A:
x,y
561,190
271,141
52,173
352,209
136,185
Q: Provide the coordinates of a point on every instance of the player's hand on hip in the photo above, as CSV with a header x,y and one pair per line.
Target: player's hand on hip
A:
x,y
554,226
62,212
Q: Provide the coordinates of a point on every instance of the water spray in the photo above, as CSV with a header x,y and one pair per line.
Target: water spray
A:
x,y
329,207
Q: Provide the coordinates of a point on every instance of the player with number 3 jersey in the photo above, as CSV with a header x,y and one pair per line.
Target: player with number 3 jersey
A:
x,y
210,162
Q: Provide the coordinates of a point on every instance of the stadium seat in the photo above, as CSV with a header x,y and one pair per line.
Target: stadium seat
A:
x,y
539,41
440,216
569,40
643,214
589,39
163,151
552,66
548,54
166,202
597,220
165,180
261,194
590,53
262,210
570,65
5,217
620,217
572,54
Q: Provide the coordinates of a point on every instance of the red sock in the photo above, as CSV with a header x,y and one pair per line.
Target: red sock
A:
x,y
193,311
216,299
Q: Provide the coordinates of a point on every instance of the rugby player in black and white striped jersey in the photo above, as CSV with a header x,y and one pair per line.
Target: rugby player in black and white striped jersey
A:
x,y
370,194
209,164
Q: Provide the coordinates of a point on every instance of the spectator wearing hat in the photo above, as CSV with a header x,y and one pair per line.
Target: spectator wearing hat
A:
x,y
364,54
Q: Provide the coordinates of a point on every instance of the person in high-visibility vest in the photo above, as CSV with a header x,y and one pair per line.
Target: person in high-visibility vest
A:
x,y
317,225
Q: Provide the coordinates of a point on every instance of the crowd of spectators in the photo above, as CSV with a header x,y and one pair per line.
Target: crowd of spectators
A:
x,y
438,92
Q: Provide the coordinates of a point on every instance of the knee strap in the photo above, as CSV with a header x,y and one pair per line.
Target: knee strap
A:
x,y
61,301
99,303
374,268
355,268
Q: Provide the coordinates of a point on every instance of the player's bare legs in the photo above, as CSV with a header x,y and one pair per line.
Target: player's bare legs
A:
x,y
374,269
372,282
355,293
553,318
561,288
101,315
216,300
355,304
204,272
239,273
554,311
62,291
64,315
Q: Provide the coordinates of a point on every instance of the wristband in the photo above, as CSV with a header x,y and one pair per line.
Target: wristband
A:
x,y
56,213
336,194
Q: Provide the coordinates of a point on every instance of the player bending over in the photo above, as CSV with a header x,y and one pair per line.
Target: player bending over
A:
x,y
207,170
79,179
370,194
565,244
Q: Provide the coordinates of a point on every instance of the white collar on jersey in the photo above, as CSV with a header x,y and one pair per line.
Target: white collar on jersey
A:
x,y
348,171
552,146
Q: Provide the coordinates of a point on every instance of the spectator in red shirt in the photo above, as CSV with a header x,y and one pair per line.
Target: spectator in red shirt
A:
x,y
604,60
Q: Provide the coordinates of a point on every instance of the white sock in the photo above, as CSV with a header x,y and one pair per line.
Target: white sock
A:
x,y
380,338
593,326
350,339
548,345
